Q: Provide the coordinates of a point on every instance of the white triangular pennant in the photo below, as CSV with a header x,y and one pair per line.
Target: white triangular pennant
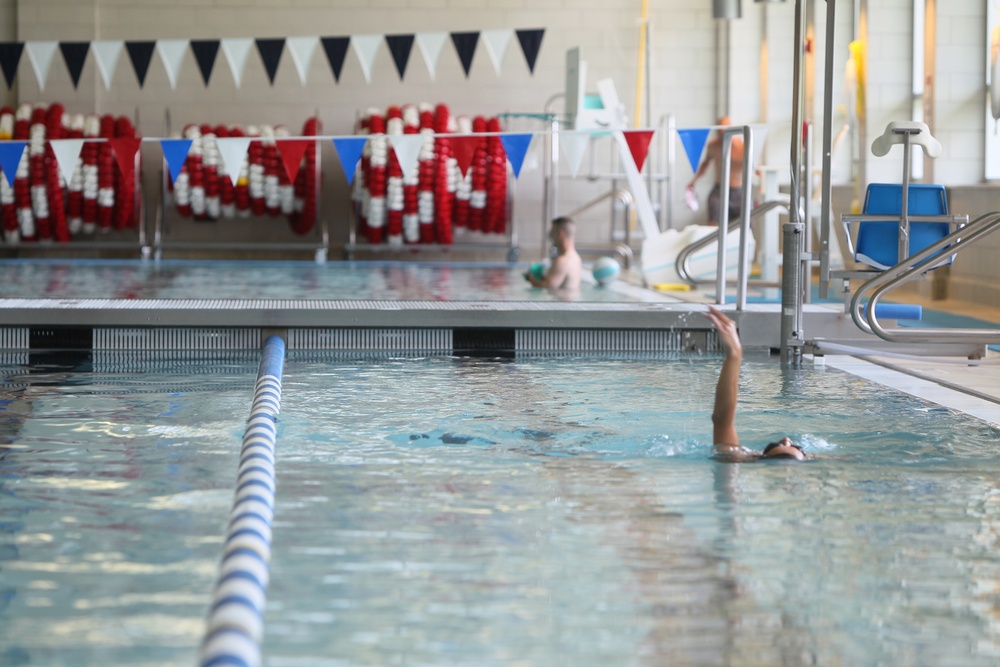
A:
x,y
407,147
41,54
106,53
574,145
302,50
366,48
431,44
497,42
67,152
237,51
233,150
172,55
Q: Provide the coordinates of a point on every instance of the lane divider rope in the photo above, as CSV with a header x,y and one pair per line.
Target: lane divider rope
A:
x,y
235,626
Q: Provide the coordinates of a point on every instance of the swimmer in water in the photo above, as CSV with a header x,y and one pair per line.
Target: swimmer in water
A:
x,y
724,436
567,267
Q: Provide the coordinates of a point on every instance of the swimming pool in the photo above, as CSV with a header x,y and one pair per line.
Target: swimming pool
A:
x,y
537,511
369,280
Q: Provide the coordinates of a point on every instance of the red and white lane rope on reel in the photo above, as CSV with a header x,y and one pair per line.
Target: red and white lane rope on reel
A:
x,y
204,188
376,178
496,180
125,212
426,167
106,177
394,187
463,183
56,193
38,179
74,200
478,179
446,176
411,181
210,174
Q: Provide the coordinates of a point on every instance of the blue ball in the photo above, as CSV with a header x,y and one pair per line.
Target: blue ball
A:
x,y
538,270
606,270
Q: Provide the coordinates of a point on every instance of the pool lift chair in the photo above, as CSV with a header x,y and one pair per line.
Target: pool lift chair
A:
x,y
912,222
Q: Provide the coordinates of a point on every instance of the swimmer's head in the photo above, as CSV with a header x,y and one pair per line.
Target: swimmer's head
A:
x,y
783,449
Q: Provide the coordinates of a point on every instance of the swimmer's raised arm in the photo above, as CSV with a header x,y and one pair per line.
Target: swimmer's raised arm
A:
x,y
724,435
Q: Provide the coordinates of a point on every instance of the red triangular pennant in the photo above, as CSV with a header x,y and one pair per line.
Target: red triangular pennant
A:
x,y
124,149
464,147
291,151
638,145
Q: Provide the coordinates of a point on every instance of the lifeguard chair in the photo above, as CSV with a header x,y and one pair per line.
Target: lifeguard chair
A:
x,y
899,220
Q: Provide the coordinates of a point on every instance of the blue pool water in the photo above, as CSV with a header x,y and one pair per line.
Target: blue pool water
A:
x,y
395,281
540,511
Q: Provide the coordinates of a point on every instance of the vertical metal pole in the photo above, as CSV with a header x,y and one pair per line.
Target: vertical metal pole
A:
x,y
824,229
904,211
720,274
807,211
671,167
791,281
743,268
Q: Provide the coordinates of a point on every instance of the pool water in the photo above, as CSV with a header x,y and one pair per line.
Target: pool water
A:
x,y
120,279
537,511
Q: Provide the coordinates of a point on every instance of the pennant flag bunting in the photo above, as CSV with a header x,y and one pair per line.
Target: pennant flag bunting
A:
x,y
574,145
465,44
10,157
366,48
124,149
41,54
694,143
291,151
270,54
301,49
496,42
336,51
172,55
10,56
349,151
141,54
431,44
106,55
237,51
464,146
638,145
205,52
516,147
407,149
67,152
175,152
400,47
232,150
74,54
531,43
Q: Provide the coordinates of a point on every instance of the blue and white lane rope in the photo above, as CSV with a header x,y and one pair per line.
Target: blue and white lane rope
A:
x,y
236,618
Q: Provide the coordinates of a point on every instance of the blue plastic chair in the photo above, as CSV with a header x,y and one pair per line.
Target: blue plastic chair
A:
x,y
878,242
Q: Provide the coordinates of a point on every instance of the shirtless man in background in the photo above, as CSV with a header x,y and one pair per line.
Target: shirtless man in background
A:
x,y
713,155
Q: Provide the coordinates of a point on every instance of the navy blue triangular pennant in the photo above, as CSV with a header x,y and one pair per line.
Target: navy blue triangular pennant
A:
x,y
400,47
140,53
75,54
531,42
270,52
336,50
465,44
205,51
10,56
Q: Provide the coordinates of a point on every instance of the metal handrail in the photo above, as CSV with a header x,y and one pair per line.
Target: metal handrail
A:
x,y
920,263
623,197
684,256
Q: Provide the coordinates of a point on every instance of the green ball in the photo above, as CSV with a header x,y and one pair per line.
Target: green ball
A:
x,y
538,270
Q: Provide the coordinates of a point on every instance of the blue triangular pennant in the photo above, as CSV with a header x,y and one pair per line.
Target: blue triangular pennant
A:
x,y
349,151
694,143
516,146
175,152
10,157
